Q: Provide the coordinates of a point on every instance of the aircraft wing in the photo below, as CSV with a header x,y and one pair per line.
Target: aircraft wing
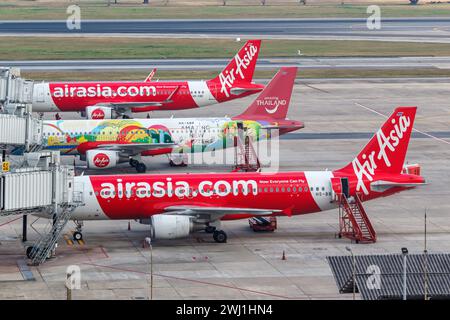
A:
x,y
128,105
243,87
215,213
133,148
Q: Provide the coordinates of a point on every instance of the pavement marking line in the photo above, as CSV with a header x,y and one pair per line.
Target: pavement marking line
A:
x,y
4,224
195,281
24,269
312,87
414,129
104,251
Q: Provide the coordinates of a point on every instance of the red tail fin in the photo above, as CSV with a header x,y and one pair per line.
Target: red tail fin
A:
x,y
241,68
273,101
386,151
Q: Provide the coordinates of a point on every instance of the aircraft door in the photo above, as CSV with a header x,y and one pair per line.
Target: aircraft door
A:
x,y
345,188
213,92
339,186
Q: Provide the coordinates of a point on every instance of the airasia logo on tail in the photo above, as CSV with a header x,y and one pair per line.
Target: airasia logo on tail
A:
x,y
227,79
271,104
98,114
370,163
101,160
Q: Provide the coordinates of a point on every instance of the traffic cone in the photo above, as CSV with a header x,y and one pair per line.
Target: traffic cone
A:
x,y
284,256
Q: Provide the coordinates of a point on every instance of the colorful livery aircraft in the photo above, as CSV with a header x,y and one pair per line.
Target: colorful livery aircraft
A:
x,y
105,143
176,205
106,100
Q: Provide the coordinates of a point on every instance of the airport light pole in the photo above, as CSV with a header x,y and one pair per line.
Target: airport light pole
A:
x,y
425,257
405,254
353,271
149,242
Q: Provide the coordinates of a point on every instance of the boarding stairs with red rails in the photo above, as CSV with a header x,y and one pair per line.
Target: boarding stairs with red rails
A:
x,y
354,223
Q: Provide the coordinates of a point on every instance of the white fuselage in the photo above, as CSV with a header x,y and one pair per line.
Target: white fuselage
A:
x,y
316,188
66,134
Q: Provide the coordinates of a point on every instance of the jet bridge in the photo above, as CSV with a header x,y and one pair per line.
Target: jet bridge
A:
x,y
40,185
18,128
33,182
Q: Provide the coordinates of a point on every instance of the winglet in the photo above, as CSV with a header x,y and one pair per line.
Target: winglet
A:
x,y
150,76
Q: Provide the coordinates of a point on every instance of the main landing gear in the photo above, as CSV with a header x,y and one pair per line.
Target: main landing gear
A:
x,y
219,236
139,166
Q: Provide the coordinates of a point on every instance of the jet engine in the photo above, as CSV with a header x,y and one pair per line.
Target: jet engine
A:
x,y
102,159
98,113
171,226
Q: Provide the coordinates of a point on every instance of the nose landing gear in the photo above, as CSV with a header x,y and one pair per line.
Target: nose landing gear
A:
x,y
78,234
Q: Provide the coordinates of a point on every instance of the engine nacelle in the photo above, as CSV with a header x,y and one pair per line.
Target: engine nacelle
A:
x,y
98,113
101,159
171,226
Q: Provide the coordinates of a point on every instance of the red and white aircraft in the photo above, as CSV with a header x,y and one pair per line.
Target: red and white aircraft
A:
x,y
104,144
176,205
105,100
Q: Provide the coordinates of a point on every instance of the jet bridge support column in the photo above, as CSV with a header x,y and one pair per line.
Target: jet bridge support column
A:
x,y
24,228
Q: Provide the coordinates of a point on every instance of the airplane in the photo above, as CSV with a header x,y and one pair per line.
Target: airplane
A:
x,y
176,205
106,100
105,143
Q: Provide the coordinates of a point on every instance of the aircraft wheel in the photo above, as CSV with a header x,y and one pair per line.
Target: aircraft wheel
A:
x,y
133,162
220,236
77,236
141,168
30,252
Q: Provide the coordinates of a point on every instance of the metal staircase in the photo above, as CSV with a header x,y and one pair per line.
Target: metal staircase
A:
x,y
44,246
354,222
246,158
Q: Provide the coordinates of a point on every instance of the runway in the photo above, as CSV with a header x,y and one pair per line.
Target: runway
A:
x,y
217,64
392,29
